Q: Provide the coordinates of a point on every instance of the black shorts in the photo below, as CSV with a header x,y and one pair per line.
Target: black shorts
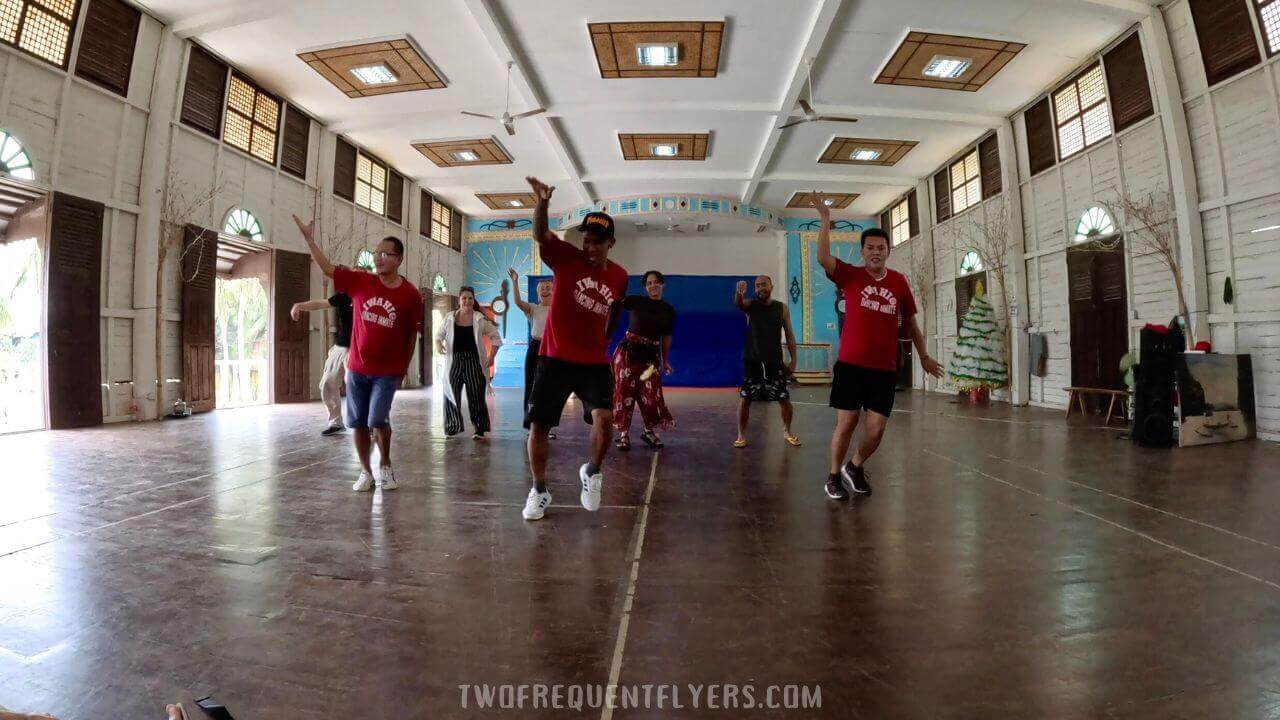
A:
x,y
857,388
555,380
763,381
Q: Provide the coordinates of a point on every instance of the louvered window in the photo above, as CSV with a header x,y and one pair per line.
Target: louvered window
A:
x,y
1083,118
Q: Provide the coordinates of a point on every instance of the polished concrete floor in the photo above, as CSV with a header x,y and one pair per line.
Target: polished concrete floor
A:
x,y
1009,565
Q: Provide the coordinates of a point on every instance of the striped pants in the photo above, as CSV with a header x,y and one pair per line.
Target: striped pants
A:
x,y
466,371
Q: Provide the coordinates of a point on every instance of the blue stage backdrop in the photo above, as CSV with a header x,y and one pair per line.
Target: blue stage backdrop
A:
x,y
706,350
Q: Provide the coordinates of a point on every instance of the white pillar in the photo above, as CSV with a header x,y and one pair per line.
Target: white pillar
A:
x,y
1182,171
147,380
1016,272
923,243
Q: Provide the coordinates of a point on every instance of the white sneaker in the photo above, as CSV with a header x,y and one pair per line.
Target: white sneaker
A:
x,y
535,506
364,483
590,488
387,478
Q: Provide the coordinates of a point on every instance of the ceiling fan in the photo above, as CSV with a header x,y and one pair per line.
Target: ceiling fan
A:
x,y
673,226
507,119
807,105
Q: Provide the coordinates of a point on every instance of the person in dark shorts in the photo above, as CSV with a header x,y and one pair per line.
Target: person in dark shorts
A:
x,y
764,376
536,312
640,361
573,358
865,373
386,317
335,365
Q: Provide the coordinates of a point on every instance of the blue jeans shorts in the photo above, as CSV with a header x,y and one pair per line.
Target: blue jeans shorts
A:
x,y
369,399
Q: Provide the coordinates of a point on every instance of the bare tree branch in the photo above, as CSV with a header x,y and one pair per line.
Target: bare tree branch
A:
x,y
1151,216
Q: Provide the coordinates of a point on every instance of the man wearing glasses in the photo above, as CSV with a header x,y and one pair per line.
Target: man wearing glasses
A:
x,y
386,318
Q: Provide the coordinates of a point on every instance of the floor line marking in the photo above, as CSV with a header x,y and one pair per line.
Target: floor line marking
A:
x,y
1141,504
1112,523
615,668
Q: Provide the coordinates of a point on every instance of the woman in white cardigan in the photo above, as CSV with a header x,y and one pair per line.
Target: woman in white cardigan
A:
x,y
458,339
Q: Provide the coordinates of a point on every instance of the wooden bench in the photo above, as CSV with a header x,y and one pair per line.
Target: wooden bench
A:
x,y
1076,396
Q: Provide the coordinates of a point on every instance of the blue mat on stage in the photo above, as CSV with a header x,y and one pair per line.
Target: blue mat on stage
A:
x,y
706,349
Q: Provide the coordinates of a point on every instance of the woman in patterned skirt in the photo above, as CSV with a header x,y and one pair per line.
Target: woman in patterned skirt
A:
x,y
640,361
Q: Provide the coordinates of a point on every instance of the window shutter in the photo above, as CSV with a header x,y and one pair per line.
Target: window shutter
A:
x,y
886,220
1110,284
1040,149
74,314
395,196
455,231
1227,44
1080,276
296,143
1131,100
942,194
913,214
106,46
424,215
344,170
203,96
989,160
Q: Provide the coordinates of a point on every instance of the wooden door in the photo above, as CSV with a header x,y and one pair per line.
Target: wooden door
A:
x,y
427,340
1099,317
199,272
291,283
74,315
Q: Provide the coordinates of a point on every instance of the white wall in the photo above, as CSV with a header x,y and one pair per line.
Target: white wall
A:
x,y
88,142
696,254
1235,140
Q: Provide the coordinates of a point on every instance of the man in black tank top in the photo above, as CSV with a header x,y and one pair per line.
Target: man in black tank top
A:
x,y
764,376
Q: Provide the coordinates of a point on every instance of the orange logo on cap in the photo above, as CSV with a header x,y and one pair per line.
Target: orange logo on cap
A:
x,y
596,220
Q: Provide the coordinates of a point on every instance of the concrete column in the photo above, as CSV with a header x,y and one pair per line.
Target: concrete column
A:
x,y
147,378
923,243
1182,171
1016,273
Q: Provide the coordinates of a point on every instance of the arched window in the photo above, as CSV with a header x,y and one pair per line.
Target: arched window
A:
x,y
14,160
971,263
364,260
1095,223
241,222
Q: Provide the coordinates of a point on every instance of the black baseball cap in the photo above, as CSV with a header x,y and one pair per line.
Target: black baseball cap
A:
x,y
597,222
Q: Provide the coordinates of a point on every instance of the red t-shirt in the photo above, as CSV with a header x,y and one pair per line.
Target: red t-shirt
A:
x,y
384,322
581,299
872,308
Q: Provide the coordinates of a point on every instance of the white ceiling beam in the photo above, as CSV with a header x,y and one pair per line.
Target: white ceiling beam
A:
x,y
390,120
1137,7
229,16
823,19
819,181
495,32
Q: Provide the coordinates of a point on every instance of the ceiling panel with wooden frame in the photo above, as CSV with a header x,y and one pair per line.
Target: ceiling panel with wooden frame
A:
x,y
619,48
522,202
394,66
835,201
660,146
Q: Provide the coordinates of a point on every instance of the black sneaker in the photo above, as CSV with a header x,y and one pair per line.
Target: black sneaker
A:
x,y
835,490
332,430
855,479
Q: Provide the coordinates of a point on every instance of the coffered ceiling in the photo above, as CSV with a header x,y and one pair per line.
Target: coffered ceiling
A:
x,y
744,83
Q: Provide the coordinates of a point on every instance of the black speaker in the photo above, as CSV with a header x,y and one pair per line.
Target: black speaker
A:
x,y
1153,387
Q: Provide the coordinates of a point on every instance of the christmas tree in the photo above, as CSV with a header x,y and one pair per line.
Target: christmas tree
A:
x,y
979,360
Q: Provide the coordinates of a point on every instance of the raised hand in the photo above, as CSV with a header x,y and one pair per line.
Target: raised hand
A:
x,y
295,312
511,272
308,230
541,190
818,200
742,287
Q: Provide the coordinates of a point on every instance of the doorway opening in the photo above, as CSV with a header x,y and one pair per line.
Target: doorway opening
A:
x,y
21,336
242,314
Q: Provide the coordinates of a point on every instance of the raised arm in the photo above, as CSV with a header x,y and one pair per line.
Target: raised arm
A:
x,y
515,292
791,338
308,306
739,296
495,342
931,366
541,226
825,258
309,234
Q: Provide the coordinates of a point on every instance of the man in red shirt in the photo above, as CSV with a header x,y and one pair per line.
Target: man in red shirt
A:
x,y
573,356
386,317
876,299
